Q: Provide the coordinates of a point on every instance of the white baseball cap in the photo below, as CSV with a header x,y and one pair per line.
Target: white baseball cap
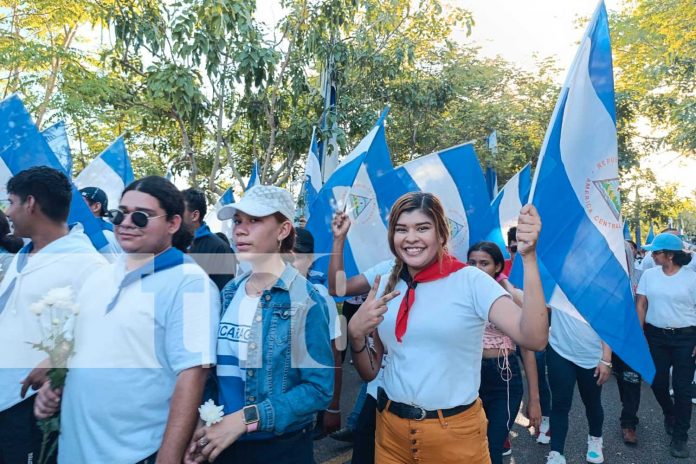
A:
x,y
260,201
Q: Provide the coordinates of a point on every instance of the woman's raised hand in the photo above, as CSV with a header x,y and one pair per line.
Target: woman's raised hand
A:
x,y
371,312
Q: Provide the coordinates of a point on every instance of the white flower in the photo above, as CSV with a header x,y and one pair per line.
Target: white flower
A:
x,y
61,296
56,322
37,308
210,413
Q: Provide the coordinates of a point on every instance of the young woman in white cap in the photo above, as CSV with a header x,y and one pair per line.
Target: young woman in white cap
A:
x,y
666,300
274,352
429,314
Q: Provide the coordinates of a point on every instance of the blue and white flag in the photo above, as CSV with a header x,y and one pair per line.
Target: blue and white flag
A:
x,y
651,235
254,177
454,175
576,190
312,178
491,182
638,240
507,205
57,138
212,220
111,171
21,147
626,231
351,188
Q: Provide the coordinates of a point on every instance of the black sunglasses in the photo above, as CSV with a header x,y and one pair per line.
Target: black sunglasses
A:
x,y
513,248
138,218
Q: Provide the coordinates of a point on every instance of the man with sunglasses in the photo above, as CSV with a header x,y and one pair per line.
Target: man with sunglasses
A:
x,y
55,257
144,340
98,203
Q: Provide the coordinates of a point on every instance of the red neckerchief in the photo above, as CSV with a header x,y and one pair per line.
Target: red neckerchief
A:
x,y
434,271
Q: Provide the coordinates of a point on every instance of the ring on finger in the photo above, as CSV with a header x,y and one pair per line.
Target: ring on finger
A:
x,y
202,442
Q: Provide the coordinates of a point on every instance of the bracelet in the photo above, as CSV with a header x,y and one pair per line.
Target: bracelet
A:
x,y
608,364
361,349
333,411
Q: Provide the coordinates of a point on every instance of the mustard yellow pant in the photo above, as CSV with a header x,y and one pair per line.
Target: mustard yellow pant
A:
x,y
446,440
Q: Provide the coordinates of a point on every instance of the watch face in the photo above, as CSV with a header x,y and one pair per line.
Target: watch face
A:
x,y
251,414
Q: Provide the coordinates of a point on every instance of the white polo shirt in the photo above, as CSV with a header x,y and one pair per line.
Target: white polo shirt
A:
x,y
121,379
67,261
671,299
438,363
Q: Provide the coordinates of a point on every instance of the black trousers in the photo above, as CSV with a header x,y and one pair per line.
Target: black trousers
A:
x,y
20,437
292,448
364,435
673,349
628,382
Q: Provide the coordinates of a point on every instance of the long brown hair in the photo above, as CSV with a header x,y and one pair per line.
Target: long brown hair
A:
x,y
428,204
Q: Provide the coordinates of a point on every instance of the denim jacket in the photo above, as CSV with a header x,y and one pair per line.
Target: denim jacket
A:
x,y
289,372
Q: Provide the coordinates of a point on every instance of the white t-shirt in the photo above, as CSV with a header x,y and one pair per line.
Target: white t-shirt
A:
x,y
127,360
438,363
67,261
671,299
574,340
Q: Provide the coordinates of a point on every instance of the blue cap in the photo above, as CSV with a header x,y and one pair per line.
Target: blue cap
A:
x,y
665,242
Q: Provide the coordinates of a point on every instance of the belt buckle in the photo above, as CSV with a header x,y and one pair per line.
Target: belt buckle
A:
x,y
423,412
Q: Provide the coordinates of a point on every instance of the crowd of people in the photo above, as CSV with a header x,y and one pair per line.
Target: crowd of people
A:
x,y
187,349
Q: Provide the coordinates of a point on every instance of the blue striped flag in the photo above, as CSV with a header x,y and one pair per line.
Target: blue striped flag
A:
x,y
576,190
351,188
22,146
507,205
111,171
254,177
57,138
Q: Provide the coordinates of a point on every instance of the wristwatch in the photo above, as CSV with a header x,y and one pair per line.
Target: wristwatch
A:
x,y
608,364
251,417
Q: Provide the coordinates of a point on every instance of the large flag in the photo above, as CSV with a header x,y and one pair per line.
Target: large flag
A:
x,y
22,146
576,190
651,235
57,138
454,175
111,171
211,218
254,177
312,178
351,188
507,205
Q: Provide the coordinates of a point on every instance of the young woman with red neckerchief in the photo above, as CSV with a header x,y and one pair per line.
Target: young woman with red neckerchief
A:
x,y
429,314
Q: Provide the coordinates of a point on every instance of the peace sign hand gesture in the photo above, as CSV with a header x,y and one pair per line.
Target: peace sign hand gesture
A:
x,y
371,313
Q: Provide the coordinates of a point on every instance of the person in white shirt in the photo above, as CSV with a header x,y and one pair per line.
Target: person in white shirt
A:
x,y
428,314
144,339
55,257
666,301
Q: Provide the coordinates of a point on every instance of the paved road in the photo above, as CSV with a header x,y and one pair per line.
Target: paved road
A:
x,y
653,446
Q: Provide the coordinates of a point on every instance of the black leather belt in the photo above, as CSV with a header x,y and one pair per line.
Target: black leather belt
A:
x,y
407,411
668,331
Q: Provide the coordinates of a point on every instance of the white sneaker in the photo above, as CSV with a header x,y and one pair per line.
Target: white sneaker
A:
x,y
594,450
555,458
544,437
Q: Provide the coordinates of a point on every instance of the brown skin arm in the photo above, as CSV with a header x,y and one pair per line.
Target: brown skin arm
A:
x,y
183,414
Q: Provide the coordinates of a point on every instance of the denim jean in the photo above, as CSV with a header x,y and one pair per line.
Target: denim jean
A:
x,y
501,400
628,382
563,375
673,350
292,448
352,421
543,380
